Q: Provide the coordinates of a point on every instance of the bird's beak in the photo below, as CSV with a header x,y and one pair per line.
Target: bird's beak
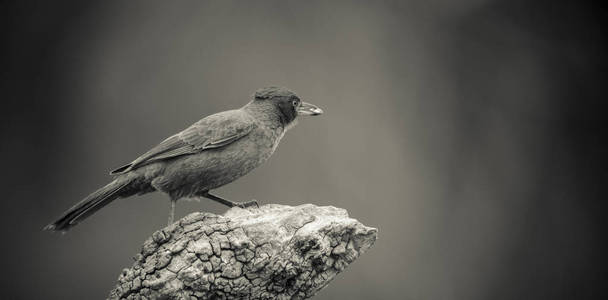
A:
x,y
307,109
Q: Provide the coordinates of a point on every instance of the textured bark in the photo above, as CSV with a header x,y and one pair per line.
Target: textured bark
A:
x,y
271,252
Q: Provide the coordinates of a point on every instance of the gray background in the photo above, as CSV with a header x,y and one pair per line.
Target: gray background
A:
x,y
466,131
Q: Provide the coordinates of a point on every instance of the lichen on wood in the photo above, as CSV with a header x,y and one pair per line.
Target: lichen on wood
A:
x,y
271,252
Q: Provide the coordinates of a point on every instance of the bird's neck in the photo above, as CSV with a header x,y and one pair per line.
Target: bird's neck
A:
x,y
265,114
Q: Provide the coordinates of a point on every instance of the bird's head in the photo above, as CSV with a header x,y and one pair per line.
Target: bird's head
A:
x,y
285,104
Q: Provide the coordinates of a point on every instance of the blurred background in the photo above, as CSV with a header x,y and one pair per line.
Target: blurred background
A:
x,y
469,132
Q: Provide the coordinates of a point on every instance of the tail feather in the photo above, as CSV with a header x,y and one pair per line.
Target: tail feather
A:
x,y
89,205
124,169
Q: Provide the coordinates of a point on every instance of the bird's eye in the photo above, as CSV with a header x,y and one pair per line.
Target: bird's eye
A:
x,y
295,103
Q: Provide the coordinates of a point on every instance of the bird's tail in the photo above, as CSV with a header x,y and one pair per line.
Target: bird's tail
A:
x,y
90,205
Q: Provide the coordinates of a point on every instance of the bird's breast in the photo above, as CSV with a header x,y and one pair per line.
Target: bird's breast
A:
x,y
265,141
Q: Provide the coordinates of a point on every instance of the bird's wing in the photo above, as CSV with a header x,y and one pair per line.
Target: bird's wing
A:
x,y
214,131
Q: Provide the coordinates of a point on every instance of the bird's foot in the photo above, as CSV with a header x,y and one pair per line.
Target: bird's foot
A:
x,y
230,203
249,204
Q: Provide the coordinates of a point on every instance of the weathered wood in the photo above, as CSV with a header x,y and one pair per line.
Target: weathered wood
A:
x,y
271,252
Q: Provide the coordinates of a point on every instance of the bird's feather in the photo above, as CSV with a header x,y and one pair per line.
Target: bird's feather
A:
x,y
214,131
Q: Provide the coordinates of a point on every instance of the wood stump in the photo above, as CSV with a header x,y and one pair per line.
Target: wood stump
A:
x,y
271,252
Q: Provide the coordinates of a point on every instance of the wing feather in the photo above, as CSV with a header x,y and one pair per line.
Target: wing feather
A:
x,y
214,131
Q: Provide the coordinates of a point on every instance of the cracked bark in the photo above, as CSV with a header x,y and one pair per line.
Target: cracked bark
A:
x,y
271,252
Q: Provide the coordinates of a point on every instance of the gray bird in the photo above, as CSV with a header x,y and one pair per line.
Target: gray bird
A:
x,y
209,154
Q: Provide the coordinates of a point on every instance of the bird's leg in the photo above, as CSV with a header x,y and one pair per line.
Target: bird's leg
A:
x,y
171,212
230,203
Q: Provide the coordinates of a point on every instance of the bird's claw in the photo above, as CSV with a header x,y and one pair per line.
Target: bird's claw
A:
x,y
249,204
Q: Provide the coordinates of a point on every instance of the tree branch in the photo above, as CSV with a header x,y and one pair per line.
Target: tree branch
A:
x,y
271,252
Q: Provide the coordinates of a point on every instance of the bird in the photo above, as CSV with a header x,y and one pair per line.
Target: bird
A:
x,y
210,153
